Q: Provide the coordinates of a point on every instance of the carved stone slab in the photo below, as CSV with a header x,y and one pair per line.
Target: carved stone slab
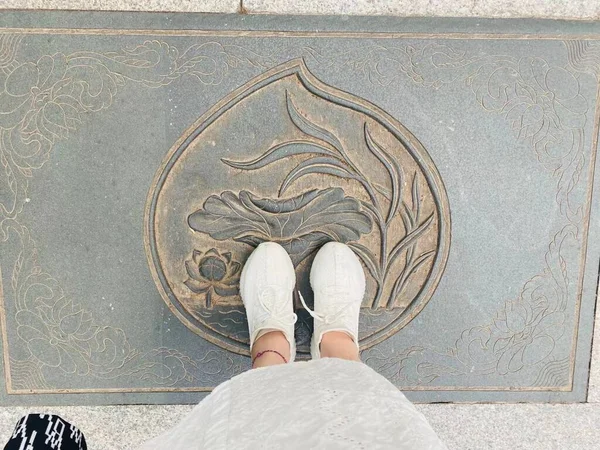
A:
x,y
143,157
325,166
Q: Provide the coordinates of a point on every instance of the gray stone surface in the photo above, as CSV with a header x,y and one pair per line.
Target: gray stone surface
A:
x,y
498,133
512,427
462,427
594,384
557,9
208,6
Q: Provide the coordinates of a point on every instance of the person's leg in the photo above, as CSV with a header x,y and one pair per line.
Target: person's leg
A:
x,y
270,349
338,282
266,287
337,344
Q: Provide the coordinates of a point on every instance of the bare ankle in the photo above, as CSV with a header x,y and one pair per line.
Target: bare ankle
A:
x,y
270,349
338,344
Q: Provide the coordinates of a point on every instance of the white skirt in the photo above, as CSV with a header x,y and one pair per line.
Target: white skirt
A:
x,y
326,404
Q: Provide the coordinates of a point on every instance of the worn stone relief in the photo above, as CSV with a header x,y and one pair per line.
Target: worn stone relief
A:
x,y
378,191
545,109
338,168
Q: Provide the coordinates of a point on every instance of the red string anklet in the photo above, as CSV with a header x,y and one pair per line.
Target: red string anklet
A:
x,y
259,354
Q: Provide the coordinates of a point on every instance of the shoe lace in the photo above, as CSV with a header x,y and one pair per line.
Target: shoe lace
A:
x,y
339,297
269,298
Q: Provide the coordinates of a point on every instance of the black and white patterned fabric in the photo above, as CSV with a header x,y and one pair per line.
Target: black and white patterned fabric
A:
x,y
45,432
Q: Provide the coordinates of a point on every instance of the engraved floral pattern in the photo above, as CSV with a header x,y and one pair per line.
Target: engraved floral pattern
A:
x,y
300,224
59,334
542,103
328,165
523,333
213,273
325,154
546,110
41,103
63,333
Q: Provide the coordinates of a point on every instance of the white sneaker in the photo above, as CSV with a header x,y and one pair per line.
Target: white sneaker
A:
x,y
267,287
338,282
